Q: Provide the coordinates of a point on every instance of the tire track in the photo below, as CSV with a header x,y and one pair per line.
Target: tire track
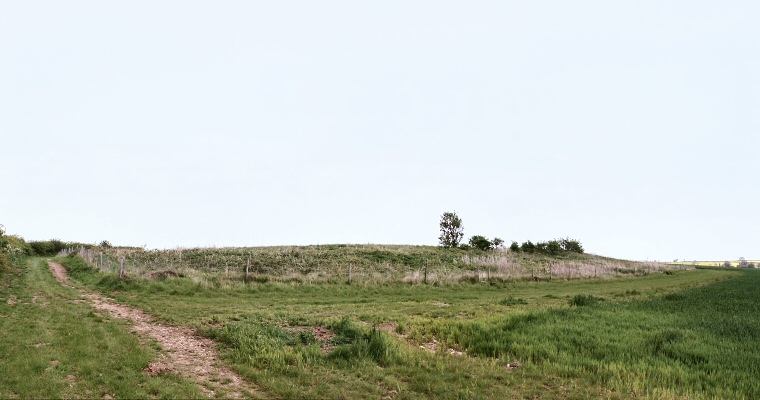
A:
x,y
188,354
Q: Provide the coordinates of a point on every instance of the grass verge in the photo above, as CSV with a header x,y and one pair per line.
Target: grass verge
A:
x,y
54,347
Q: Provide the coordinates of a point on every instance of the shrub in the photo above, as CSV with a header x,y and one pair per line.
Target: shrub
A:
x,y
528,247
573,245
480,243
5,262
514,246
47,247
553,247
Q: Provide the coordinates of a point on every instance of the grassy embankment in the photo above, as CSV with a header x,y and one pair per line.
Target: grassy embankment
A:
x,y
680,334
362,264
54,347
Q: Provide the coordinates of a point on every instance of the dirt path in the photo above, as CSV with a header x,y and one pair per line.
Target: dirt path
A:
x,y
189,355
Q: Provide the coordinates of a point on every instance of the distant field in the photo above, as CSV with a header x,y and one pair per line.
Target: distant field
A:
x,y
734,263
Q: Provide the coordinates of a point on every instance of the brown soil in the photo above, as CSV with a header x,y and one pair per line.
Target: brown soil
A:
x,y
58,272
188,354
53,364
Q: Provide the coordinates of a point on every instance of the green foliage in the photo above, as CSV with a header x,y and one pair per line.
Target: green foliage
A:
x,y
451,230
571,245
47,247
514,246
480,243
105,244
265,332
700,343
52,247
552,247
512,301
497,243
528,247
5,261
580,300
53,346
359,346
3,242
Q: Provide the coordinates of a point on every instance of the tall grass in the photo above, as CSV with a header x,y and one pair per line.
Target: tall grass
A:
x,y
355,264
700,343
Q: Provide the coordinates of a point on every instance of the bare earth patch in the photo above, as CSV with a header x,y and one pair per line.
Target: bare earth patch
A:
x,y
189,355
53,364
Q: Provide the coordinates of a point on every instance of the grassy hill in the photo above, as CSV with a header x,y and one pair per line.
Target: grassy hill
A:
x,y
358,263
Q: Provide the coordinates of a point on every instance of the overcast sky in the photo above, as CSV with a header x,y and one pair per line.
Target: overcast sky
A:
x,y
632,126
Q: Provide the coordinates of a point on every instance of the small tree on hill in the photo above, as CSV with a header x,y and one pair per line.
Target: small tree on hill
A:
x,y
452,230
497,243
480,242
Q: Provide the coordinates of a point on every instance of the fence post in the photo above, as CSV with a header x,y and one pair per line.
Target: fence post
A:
x,y
349,273
247,267
121,267
426,270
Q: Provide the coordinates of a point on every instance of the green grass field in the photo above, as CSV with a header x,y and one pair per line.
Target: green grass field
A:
x,y
53,347
642,334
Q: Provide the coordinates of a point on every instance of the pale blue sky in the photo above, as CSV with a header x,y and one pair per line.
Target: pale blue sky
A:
x,y
631,126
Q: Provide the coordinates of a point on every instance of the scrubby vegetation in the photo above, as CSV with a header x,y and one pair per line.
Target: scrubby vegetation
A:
x,y
357,264
5,261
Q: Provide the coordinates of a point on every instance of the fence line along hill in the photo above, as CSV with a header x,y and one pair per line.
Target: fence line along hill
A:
x,y
356,263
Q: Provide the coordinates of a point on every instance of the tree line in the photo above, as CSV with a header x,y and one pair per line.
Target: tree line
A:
x,y
452,233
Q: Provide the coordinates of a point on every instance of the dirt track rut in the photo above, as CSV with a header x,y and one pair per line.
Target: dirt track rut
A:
x,y
188,354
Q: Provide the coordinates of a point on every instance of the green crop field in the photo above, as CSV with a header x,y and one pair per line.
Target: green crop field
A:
x,y
733,263
364,322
